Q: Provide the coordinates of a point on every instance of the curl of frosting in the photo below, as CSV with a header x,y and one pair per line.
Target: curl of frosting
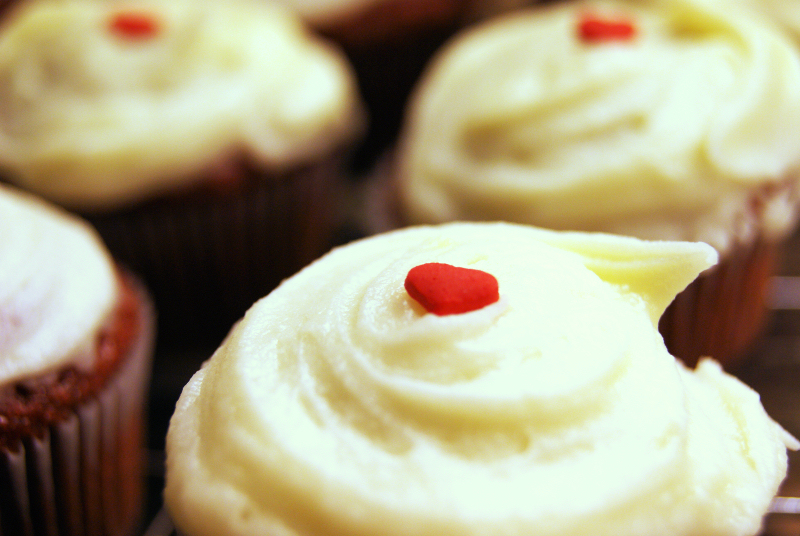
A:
x,y
666,135
94,119
339,406
58,287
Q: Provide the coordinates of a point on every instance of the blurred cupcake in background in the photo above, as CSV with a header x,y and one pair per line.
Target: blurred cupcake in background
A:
x,y
76,339
205,140
674,120
389,42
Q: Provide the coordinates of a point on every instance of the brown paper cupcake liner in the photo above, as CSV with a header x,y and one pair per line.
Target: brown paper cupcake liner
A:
x,y
208,255
85,475
722,312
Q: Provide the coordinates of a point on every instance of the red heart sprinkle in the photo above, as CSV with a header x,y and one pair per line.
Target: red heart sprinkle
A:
x,y
593,28
134,25
443,289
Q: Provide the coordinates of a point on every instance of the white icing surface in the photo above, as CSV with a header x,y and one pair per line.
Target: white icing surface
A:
x,y
58,287
785,13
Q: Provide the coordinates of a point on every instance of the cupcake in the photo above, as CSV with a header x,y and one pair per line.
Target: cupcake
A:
x,y
210,160
471,378
389,43
662,120
76,336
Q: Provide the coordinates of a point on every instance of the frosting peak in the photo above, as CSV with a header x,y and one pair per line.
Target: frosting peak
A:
x,y
337,405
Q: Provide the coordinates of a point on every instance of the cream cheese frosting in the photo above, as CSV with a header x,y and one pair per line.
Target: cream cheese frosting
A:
x,y
338,406
674,133
98,114
58,288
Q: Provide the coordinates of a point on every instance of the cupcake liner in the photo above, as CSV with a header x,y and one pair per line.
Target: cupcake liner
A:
x,y
723,311
208,255
85,475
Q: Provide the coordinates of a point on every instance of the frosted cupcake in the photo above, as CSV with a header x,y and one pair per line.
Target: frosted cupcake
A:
x,y
471,379
672,120
76,336
206,157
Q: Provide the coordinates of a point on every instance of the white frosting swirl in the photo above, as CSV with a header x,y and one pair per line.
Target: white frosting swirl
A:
x,y
94,119
337,406
667,135
58,287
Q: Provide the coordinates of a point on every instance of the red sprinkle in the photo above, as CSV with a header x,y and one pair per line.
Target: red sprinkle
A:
x,y
443,289
134,25
593,28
